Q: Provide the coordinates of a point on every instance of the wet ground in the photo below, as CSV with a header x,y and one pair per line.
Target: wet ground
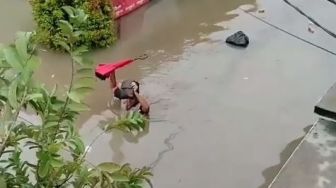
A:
x,y
313,164
221,116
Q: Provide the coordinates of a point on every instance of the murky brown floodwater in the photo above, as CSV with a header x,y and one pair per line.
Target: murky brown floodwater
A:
x,y
220,115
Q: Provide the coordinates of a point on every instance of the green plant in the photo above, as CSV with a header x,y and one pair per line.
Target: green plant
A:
x,y
98,29
55,135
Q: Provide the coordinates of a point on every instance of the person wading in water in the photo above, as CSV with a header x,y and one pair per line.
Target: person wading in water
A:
x,y
128,92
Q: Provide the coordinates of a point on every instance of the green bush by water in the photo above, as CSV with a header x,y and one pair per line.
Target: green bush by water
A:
x,y
50,153
99,29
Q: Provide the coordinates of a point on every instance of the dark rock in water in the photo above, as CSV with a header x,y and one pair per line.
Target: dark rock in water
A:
x,y
238,39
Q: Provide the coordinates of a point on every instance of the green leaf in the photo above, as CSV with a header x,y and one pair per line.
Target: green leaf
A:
x,y
54,148
4,82
44,166
50,124
34,96
3,183
33,63
86,82
83,91
66,27
43,169
119,177
78,33
80,50
80,16
78,143
2,56
56,163
12,98
109,167
78,107
64,45
87,61
74,96
21,44
148,173
69,10
12,58
85,72
78,59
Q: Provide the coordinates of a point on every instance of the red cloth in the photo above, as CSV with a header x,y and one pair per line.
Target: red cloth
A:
x,y
104,70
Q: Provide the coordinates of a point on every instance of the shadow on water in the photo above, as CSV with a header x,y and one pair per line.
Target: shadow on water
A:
x,y
271,172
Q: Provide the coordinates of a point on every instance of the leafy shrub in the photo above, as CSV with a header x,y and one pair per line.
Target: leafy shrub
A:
x,y
47,141
99,29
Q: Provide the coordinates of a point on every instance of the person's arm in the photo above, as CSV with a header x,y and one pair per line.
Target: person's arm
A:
x,y
113,81
144,105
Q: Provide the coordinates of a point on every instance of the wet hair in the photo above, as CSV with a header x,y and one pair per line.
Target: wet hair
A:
x,y
126,90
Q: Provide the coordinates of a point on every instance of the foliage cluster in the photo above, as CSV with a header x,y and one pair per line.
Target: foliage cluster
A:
x,y
99,29
51,153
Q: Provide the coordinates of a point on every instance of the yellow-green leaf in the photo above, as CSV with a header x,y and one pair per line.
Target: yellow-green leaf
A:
x,y
66,27
50,124
119,177
43,169
74,96
85,72
80,50
64,45
69,10
54,148
56,163
86,82
21,44
12,58
12,98
33,63
79,144
83,90
78,59
109,167
34,96
3,183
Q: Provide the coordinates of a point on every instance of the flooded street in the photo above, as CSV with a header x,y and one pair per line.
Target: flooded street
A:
x,y
220,116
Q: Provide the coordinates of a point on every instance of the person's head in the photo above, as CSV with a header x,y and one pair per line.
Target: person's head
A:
x,y
127,88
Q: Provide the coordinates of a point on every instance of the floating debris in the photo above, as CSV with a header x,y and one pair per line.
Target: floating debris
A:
x,y
238,39
311,27
261,11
